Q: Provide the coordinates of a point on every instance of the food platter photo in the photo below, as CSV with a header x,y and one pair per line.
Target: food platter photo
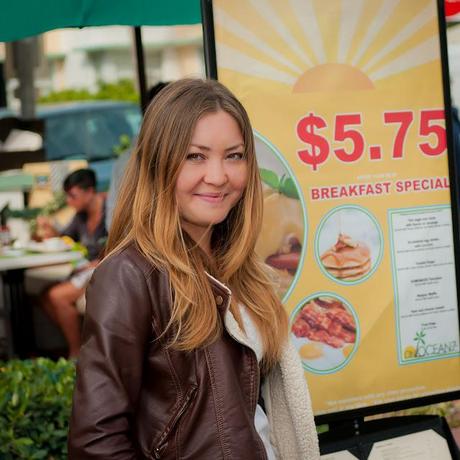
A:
x,y
282,240
325,332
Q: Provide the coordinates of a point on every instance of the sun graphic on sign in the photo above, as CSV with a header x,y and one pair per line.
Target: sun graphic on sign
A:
x,y
324,45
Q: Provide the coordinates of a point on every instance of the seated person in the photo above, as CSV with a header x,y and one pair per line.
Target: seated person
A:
x,y
87,227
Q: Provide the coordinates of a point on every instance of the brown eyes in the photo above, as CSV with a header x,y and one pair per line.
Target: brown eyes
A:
x,y
201,156
236,156
194,157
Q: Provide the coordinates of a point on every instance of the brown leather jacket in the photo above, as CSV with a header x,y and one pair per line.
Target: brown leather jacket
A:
x,y
137,399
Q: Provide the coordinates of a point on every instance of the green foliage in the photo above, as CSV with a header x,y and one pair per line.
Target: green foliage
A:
x,y
66,95
322,429
445,409
35,403
77,246
449,409
284,184
26,213
123,146
122,90
58,202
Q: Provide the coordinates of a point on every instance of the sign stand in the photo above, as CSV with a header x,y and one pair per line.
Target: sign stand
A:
x,y
353,106
377,438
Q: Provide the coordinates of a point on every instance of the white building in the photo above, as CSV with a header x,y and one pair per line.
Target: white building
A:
x,y
79,58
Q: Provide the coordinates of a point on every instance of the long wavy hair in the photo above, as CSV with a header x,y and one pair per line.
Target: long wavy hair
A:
x,y
147,214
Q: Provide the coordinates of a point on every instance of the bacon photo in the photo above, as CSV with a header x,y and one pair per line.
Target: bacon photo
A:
x,y
325,320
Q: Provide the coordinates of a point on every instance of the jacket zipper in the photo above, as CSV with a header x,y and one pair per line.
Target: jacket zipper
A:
x,y
259,439
256,402
258,387
163,440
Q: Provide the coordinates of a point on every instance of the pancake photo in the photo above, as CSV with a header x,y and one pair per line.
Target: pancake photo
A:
x,y
325,332
347,259
348,244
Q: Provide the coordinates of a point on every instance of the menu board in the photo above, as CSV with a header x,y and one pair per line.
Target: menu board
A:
x,y
347,104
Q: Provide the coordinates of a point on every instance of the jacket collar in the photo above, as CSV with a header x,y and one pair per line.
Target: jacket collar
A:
x,y
222,293
220,289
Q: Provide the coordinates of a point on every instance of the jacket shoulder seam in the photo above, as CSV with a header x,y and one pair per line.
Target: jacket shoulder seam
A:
x,y
137,259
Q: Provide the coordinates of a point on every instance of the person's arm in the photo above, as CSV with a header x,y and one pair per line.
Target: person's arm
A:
x,y
45,227
117,328
72,229
86,266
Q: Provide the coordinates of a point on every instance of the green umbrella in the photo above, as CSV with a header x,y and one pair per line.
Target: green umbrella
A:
x,y
24,18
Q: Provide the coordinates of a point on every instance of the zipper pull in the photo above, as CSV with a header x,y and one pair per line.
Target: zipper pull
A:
x,y
158,451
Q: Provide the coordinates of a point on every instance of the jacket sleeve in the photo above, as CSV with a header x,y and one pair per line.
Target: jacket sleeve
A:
x,y
117,328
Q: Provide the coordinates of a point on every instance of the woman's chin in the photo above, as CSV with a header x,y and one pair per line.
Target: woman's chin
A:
x,y
204,222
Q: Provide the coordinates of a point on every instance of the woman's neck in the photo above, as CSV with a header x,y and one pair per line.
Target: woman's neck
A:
x,y
201,236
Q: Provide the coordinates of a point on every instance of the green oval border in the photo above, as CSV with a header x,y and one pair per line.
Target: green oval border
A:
x,y
281,158
358,330
318,231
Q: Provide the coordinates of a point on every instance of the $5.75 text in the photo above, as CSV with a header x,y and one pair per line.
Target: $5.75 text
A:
x,y
347,128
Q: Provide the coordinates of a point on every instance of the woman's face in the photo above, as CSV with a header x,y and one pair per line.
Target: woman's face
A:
x,y
214,174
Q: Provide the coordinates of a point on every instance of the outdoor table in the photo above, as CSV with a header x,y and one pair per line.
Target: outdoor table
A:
x,y
16,312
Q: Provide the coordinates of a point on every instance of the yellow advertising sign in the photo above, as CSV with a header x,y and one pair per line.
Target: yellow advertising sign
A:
x,y
346,99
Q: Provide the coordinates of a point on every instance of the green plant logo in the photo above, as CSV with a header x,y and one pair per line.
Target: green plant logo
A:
x,y
427,349
419,340
411,352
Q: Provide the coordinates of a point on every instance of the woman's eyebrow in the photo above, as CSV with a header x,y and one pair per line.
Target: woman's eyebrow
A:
x,y
204,147
235,147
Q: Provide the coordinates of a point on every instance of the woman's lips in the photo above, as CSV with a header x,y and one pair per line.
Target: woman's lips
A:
x,y
211,197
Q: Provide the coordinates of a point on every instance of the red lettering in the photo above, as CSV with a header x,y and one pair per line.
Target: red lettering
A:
x,y
404,119
342,133
426,129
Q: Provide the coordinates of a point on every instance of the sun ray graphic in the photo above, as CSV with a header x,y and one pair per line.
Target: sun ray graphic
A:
x,y
307,21
348,28
293,44
380,19
249,66
225,20
421,54
420,20
265,10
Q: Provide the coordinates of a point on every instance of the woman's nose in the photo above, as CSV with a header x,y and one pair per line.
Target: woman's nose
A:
x,y
216,173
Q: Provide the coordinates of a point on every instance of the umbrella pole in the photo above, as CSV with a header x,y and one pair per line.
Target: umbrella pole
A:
x,y
140,64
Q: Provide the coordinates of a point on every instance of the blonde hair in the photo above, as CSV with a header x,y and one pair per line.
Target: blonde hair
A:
x,y
147,214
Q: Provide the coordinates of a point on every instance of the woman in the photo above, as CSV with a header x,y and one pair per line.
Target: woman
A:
x,y
183,328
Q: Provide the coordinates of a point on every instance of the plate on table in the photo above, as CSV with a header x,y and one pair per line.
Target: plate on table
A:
x,y
48,246
11,252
